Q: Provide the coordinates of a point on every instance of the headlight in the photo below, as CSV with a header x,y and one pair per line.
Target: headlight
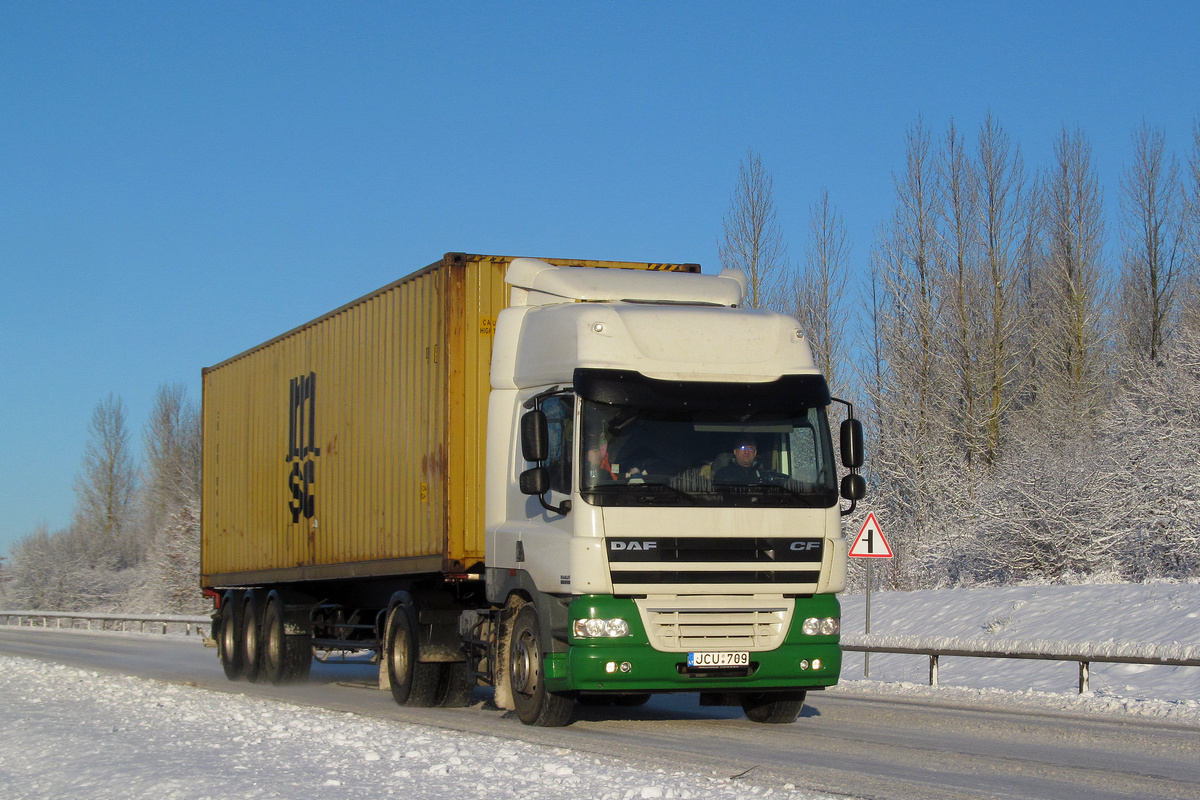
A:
x,y
822,626
600,628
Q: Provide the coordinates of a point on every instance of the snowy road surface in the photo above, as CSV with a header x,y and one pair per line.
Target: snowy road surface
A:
x,y
83,731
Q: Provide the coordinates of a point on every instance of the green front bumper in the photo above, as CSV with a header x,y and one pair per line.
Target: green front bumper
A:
x,y
596,664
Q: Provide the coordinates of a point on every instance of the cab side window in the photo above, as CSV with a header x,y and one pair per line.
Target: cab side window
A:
x,y
559,411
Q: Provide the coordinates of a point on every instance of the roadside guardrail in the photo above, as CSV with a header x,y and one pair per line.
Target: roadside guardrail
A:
x,y
109,622
1083,653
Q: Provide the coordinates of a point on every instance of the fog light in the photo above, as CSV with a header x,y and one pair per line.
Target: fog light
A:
x,y
626,666
804,664
816,663
610,667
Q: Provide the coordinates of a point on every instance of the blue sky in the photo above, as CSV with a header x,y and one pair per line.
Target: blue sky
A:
x,y
180,181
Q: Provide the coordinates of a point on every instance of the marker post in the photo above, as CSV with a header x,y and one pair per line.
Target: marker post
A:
x,y
870,543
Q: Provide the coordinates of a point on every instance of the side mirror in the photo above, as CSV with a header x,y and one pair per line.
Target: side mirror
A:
x,y
854,487
535,481
852,444
535,437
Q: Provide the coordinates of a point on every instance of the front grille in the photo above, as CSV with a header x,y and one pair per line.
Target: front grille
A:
x,y
777,564
683,624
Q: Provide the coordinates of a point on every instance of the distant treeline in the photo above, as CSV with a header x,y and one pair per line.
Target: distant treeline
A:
x,y
133,543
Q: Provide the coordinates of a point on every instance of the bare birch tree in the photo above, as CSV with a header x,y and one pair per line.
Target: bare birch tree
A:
x,y
753,241
1191,299
1071,370
906,398
1002,218
105,490
820,288
962,294
1152,263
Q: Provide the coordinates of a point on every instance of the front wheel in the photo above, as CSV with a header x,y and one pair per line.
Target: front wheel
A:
x,y
773,708
526,675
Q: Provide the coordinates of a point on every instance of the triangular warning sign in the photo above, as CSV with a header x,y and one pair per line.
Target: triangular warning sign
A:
x,y
870,542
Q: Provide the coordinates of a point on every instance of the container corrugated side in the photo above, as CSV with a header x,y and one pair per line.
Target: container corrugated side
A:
x,y
353,446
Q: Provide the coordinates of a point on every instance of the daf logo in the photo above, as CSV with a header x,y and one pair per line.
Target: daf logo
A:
x,y
633,545
805,546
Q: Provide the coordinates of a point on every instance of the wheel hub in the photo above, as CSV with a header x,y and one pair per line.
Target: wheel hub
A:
x,y
523,672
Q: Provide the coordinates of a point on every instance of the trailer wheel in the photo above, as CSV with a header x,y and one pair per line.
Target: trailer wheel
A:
x,y
414,683
284,658
526,675
229,645
251,627
457,685
773,708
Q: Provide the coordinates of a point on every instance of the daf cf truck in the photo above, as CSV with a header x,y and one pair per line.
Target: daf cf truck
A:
x,y
571,481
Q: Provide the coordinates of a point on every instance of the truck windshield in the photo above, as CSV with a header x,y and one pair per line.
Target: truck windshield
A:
x,y
654,442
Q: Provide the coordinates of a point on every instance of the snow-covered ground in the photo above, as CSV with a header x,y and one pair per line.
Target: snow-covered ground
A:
x,y
67,732
83,734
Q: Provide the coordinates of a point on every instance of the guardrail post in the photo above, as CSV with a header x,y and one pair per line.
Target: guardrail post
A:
x,y
933,669
1084,675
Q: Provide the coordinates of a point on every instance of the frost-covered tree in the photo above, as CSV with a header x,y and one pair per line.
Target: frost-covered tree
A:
x,y
1153,436
171,498
171,452
57,572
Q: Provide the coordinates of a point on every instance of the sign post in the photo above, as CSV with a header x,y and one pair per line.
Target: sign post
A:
x,y
870,543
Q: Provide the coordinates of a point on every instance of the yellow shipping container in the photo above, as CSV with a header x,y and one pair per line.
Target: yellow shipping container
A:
x,y
353,446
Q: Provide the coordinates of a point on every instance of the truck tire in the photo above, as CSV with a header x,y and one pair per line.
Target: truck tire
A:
x,y
526,675
773,708
456,686
285,659
251,627
413,683
229,640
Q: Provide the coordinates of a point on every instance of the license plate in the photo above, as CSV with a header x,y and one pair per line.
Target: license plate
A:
x,y
718,660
